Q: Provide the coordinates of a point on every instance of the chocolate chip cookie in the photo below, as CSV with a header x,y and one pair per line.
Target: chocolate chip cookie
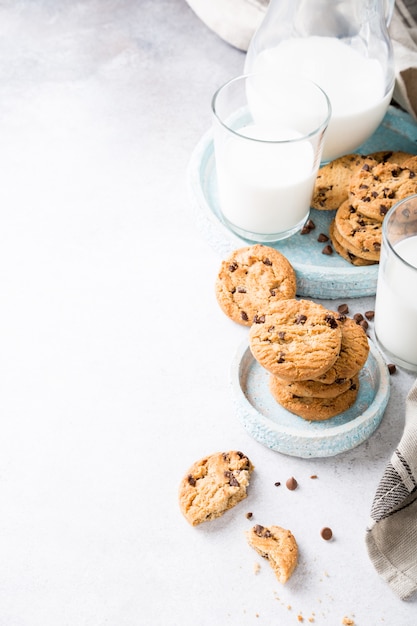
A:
x,y
251,281
374,189
300,341
214,485
353,353
312,408
317,389
340,246
278,546
359,234
332,183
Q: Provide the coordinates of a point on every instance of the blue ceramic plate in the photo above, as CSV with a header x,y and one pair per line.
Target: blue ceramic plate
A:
x,y
318,275
276,428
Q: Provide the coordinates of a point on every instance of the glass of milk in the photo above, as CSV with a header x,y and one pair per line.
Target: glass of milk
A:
x,y
268,142
396,297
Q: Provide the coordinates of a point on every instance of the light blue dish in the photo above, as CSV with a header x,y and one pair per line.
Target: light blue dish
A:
x,y
276,428
318,275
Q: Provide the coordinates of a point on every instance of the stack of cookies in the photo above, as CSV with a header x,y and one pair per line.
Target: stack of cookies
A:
x,y
362,189
313,355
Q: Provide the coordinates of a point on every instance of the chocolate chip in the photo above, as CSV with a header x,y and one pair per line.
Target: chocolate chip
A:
x,y
241,290
343,308
412,174
310,224
267,261
232,479
392,368
370,315
328,250
281,358
330,320
259,319
291,484
358,317
261,531
233,267
249,515
305,230
383,210
244,316
281,334
191,480
273,292
366,167
364,324
322,238
277,484
326,533
301,319
314,476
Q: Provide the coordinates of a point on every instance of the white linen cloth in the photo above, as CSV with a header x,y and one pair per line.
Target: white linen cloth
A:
x,y
391,537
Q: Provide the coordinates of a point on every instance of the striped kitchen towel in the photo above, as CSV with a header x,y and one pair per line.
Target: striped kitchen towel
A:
x,y
391,537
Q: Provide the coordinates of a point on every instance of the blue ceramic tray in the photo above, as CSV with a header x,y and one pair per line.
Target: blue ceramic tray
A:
x,y
318,275
276,428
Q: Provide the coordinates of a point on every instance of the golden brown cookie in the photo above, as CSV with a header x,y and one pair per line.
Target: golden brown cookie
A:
x,y
214,485
374,189
299,341
310,408
353,354
316,389
278,545
332,183
340,246
252,280
359,234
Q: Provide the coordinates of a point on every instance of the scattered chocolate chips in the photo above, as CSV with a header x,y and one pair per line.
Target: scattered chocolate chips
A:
x,y
291,484
328,250
308,227
249,515
358,317
326,533
277,484
322,238
364,324
370,315
343,308
313,476
392,368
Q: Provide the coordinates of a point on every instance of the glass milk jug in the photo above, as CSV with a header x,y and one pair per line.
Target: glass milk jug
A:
x,y
342,45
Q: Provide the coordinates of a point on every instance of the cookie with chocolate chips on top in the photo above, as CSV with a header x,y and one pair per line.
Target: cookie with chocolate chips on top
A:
x,y
251,281
375,189
299,341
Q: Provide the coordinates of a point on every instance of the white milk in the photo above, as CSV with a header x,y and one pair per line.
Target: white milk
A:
x,y
265,187
396,302
354,84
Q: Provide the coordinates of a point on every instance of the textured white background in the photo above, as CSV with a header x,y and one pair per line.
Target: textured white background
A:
x,y
114,356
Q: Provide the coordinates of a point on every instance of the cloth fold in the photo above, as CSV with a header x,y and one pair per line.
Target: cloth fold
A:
x,y
391,536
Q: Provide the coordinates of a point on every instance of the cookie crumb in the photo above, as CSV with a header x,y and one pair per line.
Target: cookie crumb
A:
x,y
300,618
346,621
313,476
256,568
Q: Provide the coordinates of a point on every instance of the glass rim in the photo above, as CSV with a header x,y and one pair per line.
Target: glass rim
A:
x,y
385,236
242,77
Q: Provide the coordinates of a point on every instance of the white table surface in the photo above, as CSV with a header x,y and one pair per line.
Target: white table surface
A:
x,y
115,356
